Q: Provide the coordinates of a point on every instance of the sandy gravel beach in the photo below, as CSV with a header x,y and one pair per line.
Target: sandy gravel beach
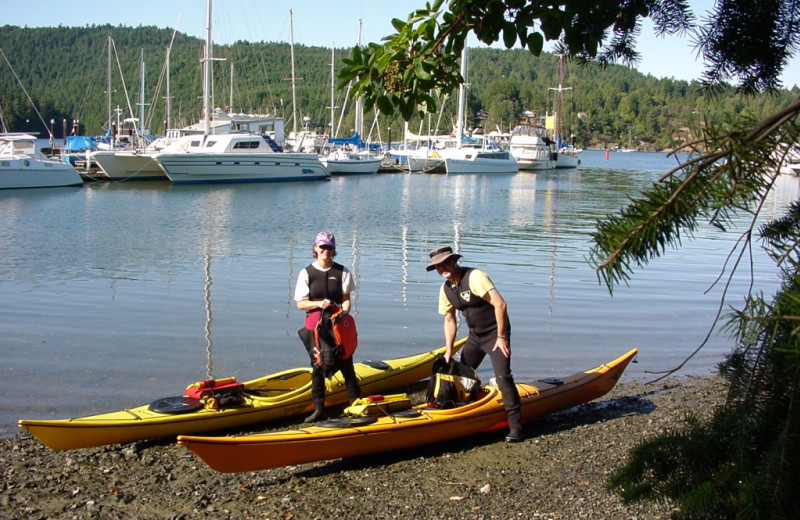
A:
x,y
557,473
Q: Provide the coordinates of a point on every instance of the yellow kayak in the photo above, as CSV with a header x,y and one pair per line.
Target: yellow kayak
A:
x,y
401,429
274,396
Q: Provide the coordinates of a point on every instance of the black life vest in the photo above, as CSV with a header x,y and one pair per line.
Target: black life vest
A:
x,y
326,285
478,313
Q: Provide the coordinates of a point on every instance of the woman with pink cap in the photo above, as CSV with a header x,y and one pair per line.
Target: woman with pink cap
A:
x,y
321,286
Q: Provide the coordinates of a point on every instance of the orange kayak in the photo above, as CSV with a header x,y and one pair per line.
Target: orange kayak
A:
x,y
404,429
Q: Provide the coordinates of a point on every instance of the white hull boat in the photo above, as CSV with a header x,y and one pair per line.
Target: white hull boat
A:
x,y
22,166
350,163
223,158
482,161
232,157
789,159
426,161
475,159
530,149
128,165
568,157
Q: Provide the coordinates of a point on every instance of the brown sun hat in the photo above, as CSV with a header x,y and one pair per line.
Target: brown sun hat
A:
x,y
440,255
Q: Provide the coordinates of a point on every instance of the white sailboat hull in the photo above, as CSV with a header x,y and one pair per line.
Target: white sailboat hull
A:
x,y
351,165
426,163
568,158
128,165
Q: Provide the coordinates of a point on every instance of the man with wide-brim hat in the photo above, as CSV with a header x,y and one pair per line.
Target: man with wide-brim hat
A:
x,y
470,291
440,255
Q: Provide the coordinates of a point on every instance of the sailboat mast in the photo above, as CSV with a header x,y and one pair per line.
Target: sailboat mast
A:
x,y
462,98
558,119
140,126
168,104
108,91
359,119
207,73
294,93
333,88
167,122
560,105
230,101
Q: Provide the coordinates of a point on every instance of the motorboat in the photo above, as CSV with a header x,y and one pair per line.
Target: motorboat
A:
x,y
531,148
789,157
139,163
232,156
236,157
477,160
23,166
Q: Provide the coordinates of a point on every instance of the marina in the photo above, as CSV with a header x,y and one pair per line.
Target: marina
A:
x,y
117,292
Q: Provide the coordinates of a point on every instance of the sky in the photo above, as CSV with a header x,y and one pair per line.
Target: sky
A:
x,y
315,23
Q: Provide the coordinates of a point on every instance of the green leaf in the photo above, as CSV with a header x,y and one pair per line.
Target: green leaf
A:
x,y
421,73
509,35
406,108
535,43
384,104
398,24
369,102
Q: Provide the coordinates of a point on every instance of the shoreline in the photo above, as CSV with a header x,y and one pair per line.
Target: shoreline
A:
x,y
557,473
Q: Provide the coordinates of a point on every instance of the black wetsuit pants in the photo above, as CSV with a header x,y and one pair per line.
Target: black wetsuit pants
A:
x,y
475,349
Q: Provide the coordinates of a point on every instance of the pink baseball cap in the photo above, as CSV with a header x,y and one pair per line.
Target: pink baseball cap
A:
x,y
325,239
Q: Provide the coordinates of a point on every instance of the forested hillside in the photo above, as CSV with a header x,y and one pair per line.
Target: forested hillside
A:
x,y
64,70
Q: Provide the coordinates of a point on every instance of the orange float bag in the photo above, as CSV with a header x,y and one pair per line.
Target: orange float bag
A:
x,y
344,330
336,339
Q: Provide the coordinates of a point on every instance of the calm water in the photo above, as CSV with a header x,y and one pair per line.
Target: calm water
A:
x,y
114,294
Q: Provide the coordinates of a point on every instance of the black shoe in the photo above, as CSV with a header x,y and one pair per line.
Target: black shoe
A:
x,y
318,415
515,435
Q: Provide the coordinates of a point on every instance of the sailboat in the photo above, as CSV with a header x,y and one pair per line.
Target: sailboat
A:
x,y
135,162
478,159
233,157
567,155
348,156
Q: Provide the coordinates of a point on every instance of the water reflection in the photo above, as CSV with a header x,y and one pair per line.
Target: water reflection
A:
x,y
209,315
355,270
551,223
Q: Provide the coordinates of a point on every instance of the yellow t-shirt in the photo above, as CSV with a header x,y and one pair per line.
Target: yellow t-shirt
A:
x,y
479,283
